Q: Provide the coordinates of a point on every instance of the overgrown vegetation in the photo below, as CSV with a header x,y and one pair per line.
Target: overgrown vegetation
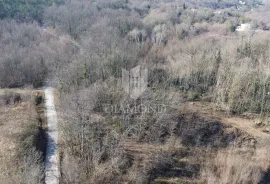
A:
x,y
22,139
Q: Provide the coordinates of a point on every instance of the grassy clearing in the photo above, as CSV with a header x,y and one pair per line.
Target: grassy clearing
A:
x,y
20,136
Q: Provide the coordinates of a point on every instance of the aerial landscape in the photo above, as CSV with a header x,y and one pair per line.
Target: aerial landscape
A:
x,y
134,92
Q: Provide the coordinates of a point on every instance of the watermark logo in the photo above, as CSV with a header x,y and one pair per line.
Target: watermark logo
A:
x,y
135,81
136,109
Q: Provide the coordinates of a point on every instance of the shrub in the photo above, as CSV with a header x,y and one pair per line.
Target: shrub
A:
x,y
17,98
8,95
38,99
32,167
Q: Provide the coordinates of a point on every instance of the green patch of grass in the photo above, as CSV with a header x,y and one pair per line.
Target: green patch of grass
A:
x,y
193,96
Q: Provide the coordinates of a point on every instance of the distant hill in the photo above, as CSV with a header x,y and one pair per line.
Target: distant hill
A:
x,y
221,4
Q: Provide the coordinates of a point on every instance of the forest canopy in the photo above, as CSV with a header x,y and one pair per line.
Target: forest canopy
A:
x,y
28,10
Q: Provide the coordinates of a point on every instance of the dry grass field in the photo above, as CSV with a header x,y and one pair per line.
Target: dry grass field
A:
x,y
19,132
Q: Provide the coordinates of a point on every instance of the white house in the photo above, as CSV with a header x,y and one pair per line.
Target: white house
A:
x,y
242,2
244,27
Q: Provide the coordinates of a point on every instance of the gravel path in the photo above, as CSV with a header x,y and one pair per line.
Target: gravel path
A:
x,y
51,164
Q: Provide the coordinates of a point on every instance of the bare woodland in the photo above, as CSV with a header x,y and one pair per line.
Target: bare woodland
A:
x,y
193,54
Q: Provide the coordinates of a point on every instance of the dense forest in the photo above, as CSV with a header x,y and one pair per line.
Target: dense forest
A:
x,y
25,10
193,53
